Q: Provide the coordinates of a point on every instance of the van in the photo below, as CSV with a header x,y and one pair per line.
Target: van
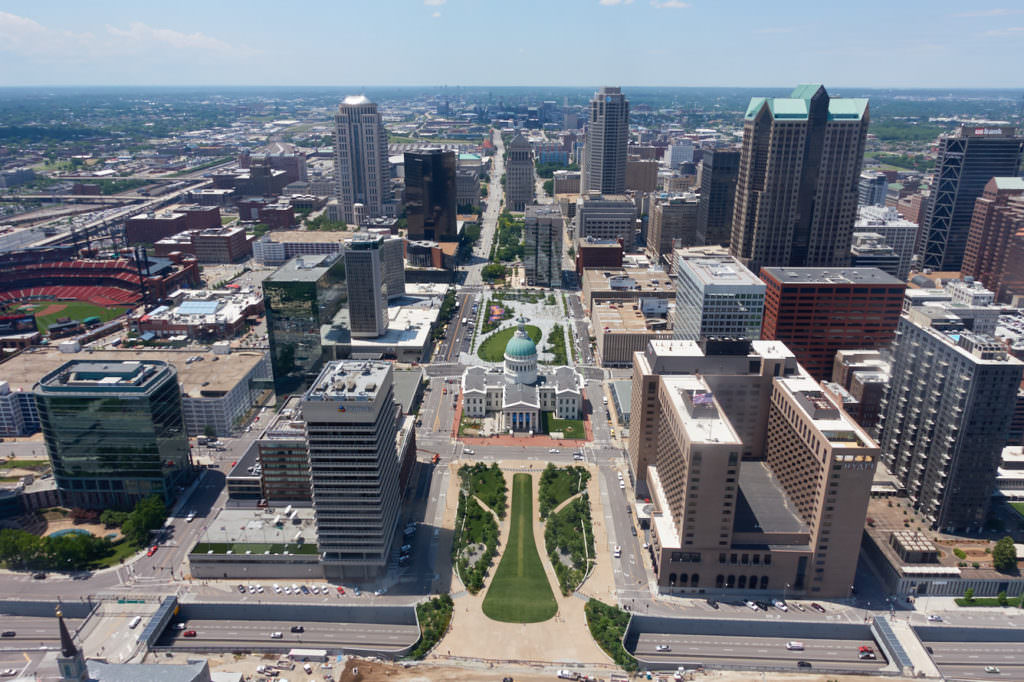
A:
x,y
308,668
135,622
795,646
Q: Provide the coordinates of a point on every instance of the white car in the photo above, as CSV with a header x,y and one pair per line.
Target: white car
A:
x,y
622,485
252,589
618,551
259,588
663,647
191,517
752,606
934,619
277,588
468,451
780,605
315,589
287,590
276,635
8,672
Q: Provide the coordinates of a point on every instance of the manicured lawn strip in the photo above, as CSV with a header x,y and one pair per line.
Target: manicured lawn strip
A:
x,y
434,617
607,626
520,592
25,464
493,347
556,345
987,601
569,428
558,484
122,549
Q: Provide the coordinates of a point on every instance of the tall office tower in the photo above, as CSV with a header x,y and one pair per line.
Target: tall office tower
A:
x,y
607,217
114,432
542,236
716,296
818,311
870,250
431,195
967,161
361,168
759,480
367,289
299,297
604,154
719,169
678,153
796,195
946,416
872,189
351,420
392,257
673,225
994,244
519,185
899,233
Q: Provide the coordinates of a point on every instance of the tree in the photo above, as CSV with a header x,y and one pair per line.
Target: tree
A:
x,y
112,518
1004,556
1001,598
549,187
210,431
968,595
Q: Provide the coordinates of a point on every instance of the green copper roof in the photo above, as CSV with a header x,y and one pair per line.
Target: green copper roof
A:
x,y
798,104
520,347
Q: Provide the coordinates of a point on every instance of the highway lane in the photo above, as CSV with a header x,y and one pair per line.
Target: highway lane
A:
x,y
316,635
32,631
825,653
967,660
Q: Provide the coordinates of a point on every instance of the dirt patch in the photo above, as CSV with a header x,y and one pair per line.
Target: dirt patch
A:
x,y
52,309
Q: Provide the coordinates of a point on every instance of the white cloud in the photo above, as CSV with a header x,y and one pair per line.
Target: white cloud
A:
x,y
28,37
139,34
1003,32
997,12
434,3
669,4
608,3
436,15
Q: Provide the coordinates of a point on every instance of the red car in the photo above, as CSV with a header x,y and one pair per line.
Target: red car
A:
x,y
152,550
189,633
341,590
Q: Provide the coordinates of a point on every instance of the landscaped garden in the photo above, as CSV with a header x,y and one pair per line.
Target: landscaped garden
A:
x,y
571,429
488,484
520,592
434,617
569,539
558,484
556,346
476,542
493,347
607,626
494,314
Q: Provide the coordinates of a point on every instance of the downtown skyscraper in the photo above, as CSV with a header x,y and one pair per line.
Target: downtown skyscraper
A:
x,y
361,170
604,154
796,196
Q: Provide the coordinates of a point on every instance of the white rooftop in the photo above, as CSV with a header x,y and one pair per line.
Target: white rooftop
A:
x,y
698,409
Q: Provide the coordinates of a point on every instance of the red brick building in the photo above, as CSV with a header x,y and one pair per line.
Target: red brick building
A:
x,y
994,244
598,253
152,227
214,245
818,311
277,215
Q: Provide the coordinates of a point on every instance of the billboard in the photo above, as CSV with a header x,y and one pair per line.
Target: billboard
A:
x,y
17,324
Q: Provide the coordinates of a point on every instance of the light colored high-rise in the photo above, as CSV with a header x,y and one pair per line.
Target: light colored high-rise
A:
x,y
367,288
604,154
872,189
796,197
946,416
361,168
759,480
351,418
542,236
716,296
609,216
519,185
897,231
673,224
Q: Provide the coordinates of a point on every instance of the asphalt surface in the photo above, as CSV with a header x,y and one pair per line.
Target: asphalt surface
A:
x,y
32,631
766,651
967,661
253,634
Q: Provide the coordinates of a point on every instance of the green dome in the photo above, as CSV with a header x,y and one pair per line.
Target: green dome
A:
x,y
520,347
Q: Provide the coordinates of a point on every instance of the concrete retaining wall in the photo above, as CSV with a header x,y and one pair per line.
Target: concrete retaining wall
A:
x,y
388,615
46,609
639,624
256,567
939,633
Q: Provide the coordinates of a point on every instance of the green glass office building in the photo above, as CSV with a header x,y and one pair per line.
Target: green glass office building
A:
x,y
114,432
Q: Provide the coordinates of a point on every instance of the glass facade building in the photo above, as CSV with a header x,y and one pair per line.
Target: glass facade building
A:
x,y
300,297
430,195
114,432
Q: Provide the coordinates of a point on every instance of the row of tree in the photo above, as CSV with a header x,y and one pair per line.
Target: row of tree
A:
x,y
148,515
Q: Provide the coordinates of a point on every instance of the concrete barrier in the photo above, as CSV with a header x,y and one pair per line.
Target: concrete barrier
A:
x,y
47,609
388,615
640,624
940,633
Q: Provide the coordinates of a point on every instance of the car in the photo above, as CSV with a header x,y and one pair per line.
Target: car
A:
x,y
252,589
8,672
712,603
8,633
633,529
180,626
241,588
663,647
803,664
752,606
799,607
315,589
356,591
647,545
259,589
305,590
817,607
189,633
277,588
295,588
780,605
618,550
468,451
340,589
866,655
622,485
152,550
934,618
377,593
794,646
553,451
191,517
298,628
992,669
287,589
865,649
276,635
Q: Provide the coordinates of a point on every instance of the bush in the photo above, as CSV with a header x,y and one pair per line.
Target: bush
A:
x,y
474,525
960,554
435,616
1001,598
1004,556
607,626
558,484
570,532
112,518
968,595
488,484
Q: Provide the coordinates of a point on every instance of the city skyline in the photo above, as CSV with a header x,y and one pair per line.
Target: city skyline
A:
x,y
193,44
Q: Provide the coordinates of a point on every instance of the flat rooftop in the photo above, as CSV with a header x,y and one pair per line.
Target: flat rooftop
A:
x,y
621,279
872,276
699,411
408,327
347,379
197,377
762,506
303,268
288,423
725,271
611,317
256,526
80,375
827,417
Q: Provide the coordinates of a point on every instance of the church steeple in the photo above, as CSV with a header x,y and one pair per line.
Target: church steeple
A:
x,y
70,662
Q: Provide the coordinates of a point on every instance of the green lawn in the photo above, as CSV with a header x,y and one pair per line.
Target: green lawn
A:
x,y
987,601
520,592
76,310
487,483
122,550
1018,507
255,548
569,428
558,484
39,464
493,347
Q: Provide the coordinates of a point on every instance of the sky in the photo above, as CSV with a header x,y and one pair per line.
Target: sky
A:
x,y
729,43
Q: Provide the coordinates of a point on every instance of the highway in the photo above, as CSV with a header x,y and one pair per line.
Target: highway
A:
x,y
967,661
248,635
32,631
767,651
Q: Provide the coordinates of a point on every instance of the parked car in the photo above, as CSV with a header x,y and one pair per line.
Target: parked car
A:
x,y
712,603
241,588
780,605
752,606
817,607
